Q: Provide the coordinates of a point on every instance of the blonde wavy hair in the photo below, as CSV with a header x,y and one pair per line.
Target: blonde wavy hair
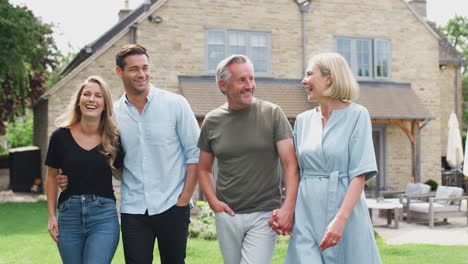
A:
x,y
107,126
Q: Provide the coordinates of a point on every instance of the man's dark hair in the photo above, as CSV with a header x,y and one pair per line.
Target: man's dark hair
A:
x,y
127,50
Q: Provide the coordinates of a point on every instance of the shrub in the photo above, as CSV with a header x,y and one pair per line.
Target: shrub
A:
x,y
203,226
3,151
432,183
20,132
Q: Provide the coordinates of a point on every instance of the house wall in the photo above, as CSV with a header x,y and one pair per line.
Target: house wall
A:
x,y
447,84
176,47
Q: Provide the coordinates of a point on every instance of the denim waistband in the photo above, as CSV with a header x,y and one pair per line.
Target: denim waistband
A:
x,y
84,197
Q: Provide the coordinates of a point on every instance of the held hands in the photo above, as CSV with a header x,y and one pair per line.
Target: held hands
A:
x,y
333,233
53,229
282,222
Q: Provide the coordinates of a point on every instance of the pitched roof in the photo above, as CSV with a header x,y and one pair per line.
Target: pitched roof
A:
x,y
448,54
392,101
204,96
383,100
90,49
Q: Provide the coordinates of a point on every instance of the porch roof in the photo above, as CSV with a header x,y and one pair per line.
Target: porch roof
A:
x,y
384,100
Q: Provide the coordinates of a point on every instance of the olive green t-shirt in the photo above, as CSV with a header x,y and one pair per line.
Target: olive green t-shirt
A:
x,y
244,143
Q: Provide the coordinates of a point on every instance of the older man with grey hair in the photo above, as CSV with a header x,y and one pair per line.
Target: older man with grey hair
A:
x,y
250,138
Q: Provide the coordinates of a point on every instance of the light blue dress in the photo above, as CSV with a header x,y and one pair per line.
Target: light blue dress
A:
x,y
329,158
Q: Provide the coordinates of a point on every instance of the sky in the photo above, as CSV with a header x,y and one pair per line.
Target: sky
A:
x,y
80,22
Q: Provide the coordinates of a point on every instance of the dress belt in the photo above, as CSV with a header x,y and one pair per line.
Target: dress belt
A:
x,y
335,176
314,173
336,254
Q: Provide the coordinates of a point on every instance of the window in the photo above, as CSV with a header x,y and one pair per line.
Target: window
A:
x,y
220,43
368,58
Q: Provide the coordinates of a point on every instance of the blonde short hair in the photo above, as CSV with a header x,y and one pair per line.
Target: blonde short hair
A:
x,y
344,86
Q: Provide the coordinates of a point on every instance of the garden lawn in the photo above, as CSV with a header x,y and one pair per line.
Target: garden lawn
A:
x,y
24,239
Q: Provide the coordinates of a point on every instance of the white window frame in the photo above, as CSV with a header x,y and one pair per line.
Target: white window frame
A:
x,y
372,57
389,59
267,73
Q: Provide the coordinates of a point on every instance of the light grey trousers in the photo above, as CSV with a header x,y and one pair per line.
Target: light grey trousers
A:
x,y
246,238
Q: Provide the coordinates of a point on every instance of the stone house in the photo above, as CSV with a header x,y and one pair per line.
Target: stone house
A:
x,y
408,72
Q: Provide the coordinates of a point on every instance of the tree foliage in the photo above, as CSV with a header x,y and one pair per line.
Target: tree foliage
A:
x,y
20,133
27,55
456,31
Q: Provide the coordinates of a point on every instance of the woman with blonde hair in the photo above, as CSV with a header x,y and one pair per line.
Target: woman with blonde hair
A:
x,y
85,147
336,156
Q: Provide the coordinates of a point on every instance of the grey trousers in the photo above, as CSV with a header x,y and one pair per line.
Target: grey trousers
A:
x,y
246,238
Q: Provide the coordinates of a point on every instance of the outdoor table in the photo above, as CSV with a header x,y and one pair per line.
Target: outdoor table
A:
x,y
389,205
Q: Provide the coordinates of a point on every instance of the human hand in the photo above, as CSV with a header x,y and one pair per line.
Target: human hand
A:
x,y
333,233
53,229
183,200
62,180
281,221
219,207
273,223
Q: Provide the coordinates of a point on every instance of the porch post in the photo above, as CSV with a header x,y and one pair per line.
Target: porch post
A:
x,y
415,152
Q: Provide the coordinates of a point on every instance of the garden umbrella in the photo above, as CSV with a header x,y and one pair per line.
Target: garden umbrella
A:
x,y
454,143
465,160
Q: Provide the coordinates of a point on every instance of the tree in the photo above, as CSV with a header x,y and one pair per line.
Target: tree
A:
x,y
456,31
27,56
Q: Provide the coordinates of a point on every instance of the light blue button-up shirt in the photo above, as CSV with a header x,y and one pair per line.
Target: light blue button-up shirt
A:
x,y
158,145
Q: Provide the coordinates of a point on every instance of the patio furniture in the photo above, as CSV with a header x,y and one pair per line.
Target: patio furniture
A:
x,y
391,205
414,193
446,203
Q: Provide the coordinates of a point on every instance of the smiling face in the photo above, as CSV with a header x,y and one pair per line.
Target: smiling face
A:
x,y
91,101
315,82
241,87
135,74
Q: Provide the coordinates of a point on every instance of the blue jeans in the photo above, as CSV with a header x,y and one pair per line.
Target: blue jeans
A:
x,y
88,230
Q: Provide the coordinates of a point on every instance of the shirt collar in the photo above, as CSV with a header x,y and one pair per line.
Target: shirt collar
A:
x,y
149,97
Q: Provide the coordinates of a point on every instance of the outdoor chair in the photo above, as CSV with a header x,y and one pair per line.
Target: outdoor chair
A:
x,y
414,193
446,203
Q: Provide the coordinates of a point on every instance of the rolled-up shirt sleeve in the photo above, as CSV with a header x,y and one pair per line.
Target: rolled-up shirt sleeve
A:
x,y
188,132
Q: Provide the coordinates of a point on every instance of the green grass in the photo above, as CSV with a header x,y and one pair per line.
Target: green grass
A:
x,y
24,239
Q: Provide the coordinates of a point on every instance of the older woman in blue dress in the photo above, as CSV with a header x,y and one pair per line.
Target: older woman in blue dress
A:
x,y
336,156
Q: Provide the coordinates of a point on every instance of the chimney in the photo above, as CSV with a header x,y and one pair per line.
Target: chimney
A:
x,y
123,13
419,6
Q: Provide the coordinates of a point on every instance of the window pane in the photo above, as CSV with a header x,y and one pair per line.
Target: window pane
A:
x,y
215,37
382,58
220,43
259,51
344,48
237,43
363,58
215,48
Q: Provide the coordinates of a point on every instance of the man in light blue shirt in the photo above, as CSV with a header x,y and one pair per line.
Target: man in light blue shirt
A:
x,y
159,134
